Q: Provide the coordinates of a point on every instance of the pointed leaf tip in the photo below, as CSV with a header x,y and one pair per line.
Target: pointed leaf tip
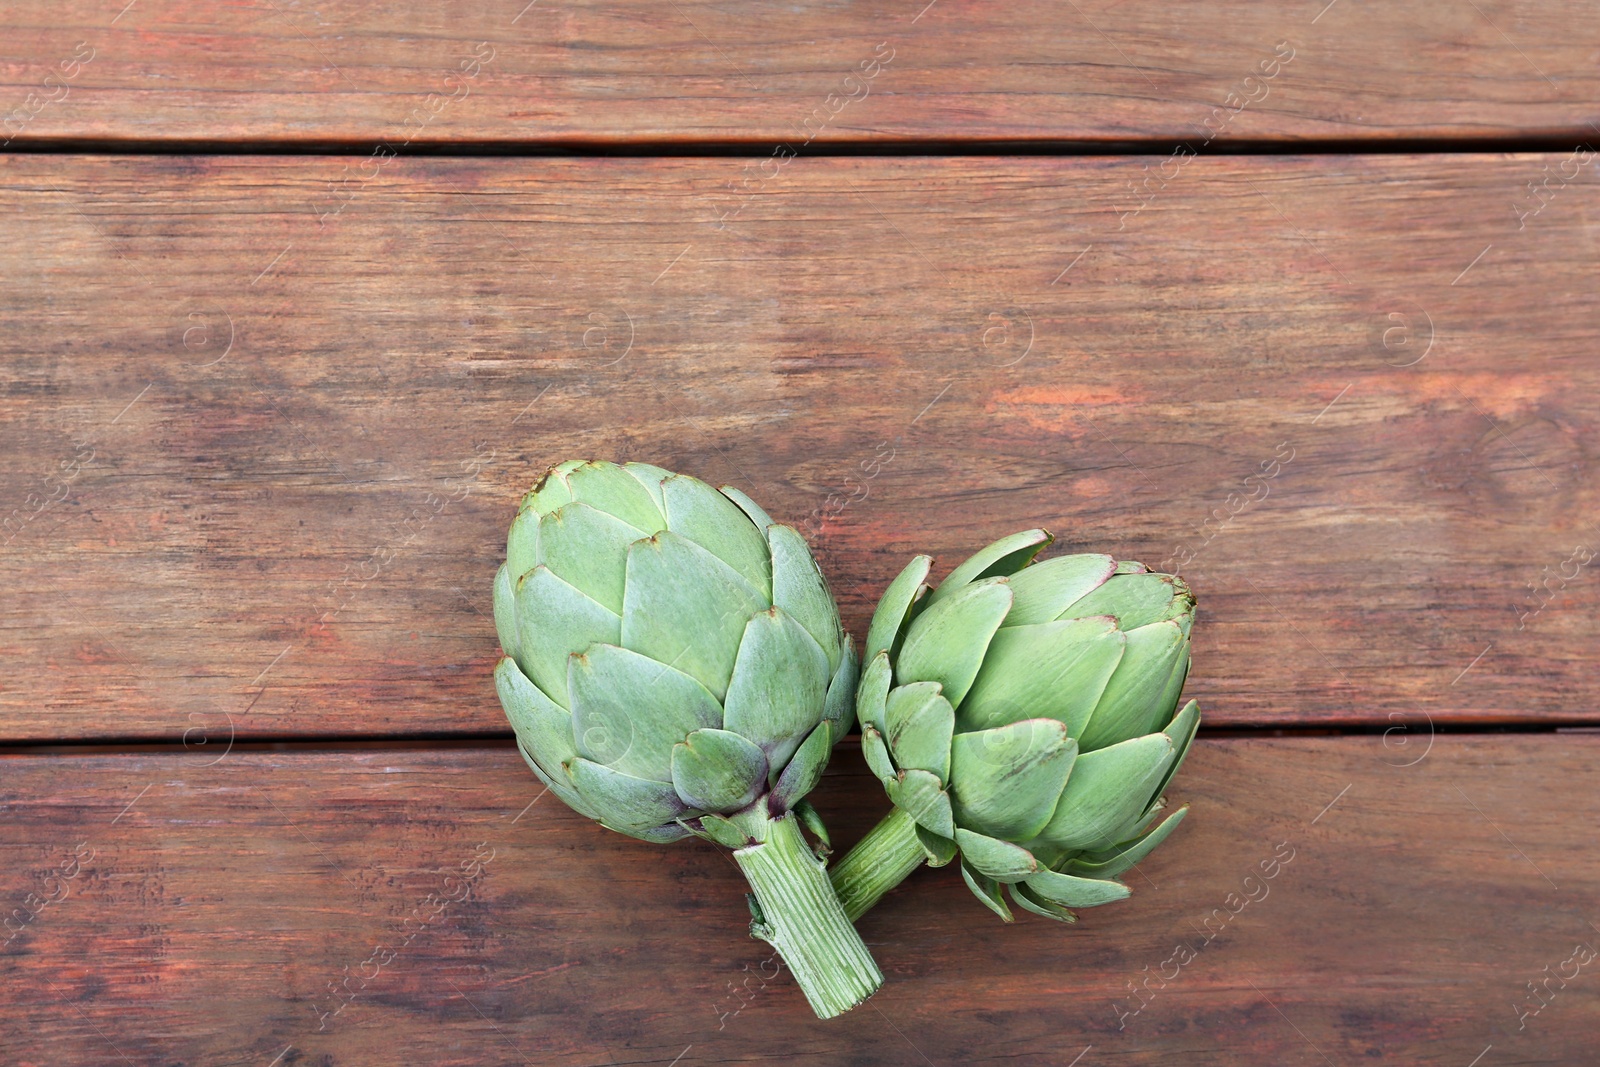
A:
x,y
895,605
987,890
920,795
1004,557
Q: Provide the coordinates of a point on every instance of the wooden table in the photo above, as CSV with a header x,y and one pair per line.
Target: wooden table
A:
x,y
301,297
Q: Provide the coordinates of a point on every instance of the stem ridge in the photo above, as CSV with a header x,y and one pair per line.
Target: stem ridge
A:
x,y
879,862
799,916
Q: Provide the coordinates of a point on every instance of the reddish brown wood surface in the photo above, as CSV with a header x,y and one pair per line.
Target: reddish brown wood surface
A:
x,y
201,909
257,470
263,421
430,71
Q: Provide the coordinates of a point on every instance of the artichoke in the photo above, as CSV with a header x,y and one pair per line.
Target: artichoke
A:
x,y
674,665
1022,714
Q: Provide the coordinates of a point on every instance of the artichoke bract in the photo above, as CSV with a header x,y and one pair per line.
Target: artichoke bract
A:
x,y
1023,714
674,665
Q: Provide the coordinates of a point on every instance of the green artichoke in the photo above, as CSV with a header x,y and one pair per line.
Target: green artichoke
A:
x,y
1022,714
674,665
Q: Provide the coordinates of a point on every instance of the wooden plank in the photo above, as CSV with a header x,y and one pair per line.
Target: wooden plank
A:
x,y
1334,900
433,72
258,470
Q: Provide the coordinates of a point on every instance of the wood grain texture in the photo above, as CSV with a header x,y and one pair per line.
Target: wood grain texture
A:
x,y
258,467
1335,901
614,73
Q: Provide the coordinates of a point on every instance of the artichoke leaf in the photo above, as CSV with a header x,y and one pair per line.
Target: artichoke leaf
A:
x,y
1056,670
1004,557
718,771
919,795
1182,730
554,620
629,710
1136,599
1071,892
987,890
1043,591
1108,792
540,723
699,513
561,786
778,688
839,708
894,607
588,549
1132,698
811,819
799,589
1000,860
613,490
872,693
551,491
920,724
1157,806
505,610
947,641
1110,863
939,850
624,802
651,477
723,832
686,607
1028,900
1165,705
757,513
1006,781
522,544
805,768
877,754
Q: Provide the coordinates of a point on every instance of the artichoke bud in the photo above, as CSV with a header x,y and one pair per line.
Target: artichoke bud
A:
x,y
671,653
1026,714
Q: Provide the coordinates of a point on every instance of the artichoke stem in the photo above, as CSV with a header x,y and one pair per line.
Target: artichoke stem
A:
x,y
878,863
801,918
